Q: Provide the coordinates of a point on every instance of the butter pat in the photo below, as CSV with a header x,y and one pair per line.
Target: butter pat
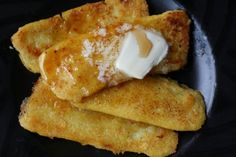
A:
x,y
131,60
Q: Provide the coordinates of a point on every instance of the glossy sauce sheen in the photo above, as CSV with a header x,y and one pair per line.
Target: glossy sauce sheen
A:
x,y
144,44
75,71
95,53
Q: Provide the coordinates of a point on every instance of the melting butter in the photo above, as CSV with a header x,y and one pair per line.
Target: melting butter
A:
x,y
144,44
140,51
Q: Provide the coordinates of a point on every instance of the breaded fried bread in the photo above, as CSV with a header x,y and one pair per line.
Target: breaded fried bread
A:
x,y
34,38
157,101
82,65
49,116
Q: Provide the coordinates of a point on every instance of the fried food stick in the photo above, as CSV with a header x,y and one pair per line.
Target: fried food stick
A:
x,y
83,65
49,116
156,101
34,38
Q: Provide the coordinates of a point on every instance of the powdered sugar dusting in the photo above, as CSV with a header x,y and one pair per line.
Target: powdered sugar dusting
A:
x,y
88,49
106,66
103,67
99,32
123,28
103,51
102,32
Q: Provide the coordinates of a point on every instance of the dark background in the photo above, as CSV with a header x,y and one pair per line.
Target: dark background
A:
x,y
217,138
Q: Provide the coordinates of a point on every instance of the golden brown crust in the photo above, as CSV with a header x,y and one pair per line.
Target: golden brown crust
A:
x,y
178,39
47,115
77,73
32,39
36,37
119,8
156,101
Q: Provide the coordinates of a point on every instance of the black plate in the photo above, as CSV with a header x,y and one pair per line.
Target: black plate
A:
x,y
212,32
